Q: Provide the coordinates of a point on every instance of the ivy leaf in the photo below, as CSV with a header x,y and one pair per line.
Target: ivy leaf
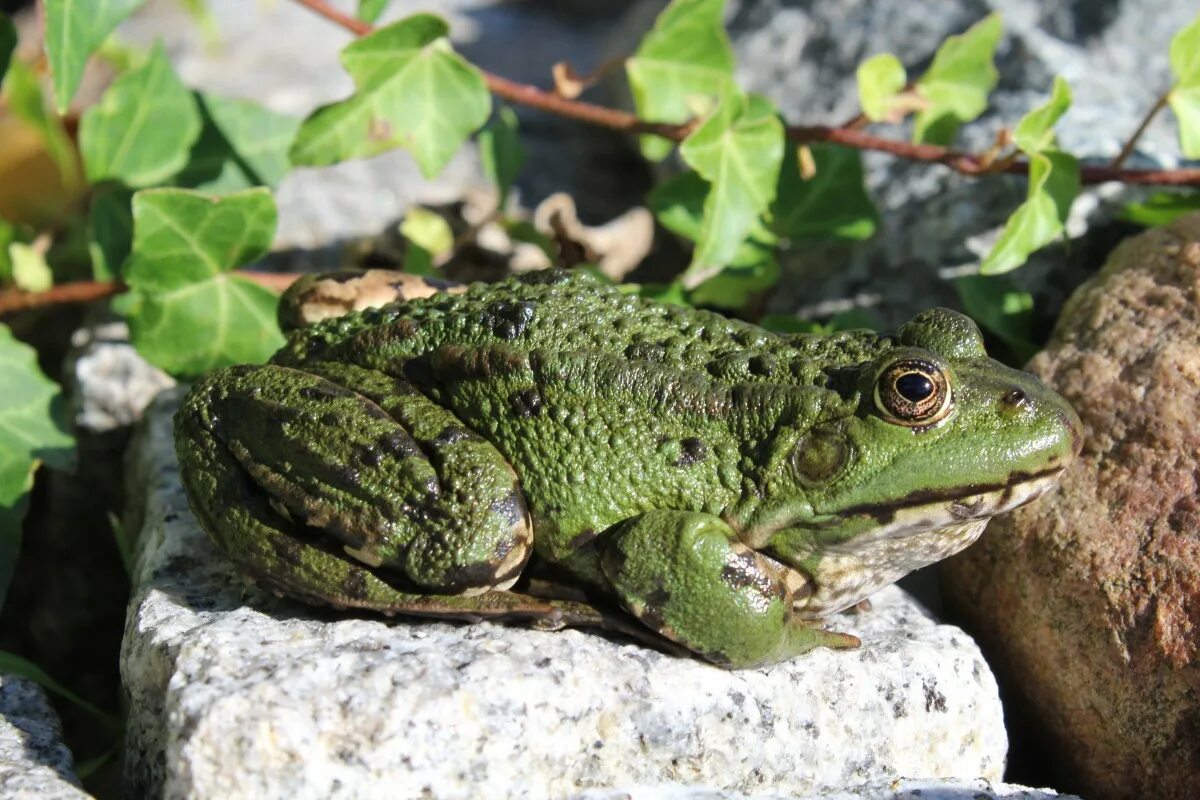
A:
x,y
1035,132
957,83
880,79
27,104
413,91
31,432
74,28
678,204
242,144
736,287
110,230
190,314
685,60
29,268
501,152
369,10
832,203
1185,95
429,237
738,150
996,303
8,43
1161,208
1053,186
143,127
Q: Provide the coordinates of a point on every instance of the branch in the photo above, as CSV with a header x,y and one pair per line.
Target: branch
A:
x,y
847,136
1137,134
14,300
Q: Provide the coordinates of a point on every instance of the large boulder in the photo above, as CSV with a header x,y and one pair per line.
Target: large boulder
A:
x,y
1088,601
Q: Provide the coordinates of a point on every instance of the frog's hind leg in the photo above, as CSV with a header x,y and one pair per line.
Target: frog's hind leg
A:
x,y
685,575
351,488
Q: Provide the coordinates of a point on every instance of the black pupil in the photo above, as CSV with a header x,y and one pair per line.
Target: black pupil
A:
x,y
914,387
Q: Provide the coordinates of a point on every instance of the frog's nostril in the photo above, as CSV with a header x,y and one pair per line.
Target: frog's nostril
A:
x,y
1014,398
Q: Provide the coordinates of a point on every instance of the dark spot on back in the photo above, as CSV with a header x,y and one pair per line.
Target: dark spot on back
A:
x,y
451,434
368,455
691,451
399,444
527,403
323,393
510,320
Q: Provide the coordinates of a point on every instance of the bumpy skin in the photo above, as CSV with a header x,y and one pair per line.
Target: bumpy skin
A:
x,y
729,485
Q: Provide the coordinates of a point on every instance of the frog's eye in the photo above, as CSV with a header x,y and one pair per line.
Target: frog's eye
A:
x,y
913,392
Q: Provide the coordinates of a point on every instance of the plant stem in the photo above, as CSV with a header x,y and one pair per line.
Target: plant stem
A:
x,y
1127,149
13,300
847,136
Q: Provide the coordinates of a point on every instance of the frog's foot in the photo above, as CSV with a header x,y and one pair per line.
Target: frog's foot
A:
x,y
686,576
346,485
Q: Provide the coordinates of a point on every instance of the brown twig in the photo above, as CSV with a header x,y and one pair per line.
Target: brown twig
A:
x,y
1127,149
13,300
614,119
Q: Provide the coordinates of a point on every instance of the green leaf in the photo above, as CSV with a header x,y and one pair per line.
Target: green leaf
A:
x,y
31,432
738,150
678,203
736,287
8,43
832,203
501,152
1035,132
191,315
413,91
29,268
1161,208
242,145
670,293
998,305
110,230
428,229
74,28
13,664
369,10
683,64
8,235
25,99
1185,95
143,127
957,83
880,78
1053,185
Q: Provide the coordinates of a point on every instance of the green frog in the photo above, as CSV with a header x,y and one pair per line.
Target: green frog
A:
x,y
729,487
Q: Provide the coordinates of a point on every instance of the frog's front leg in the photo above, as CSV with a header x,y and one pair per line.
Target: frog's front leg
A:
x,y
685,575
347,485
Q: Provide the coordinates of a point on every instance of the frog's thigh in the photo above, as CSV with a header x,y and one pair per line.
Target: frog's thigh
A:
x,y
398,485
684,575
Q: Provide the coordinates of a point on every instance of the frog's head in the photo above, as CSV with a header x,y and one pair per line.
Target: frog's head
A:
x,y
934,439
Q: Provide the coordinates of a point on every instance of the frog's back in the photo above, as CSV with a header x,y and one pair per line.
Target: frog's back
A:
x,y
562,312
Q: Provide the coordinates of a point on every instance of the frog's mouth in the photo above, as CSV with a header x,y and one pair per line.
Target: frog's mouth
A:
x,y
926,510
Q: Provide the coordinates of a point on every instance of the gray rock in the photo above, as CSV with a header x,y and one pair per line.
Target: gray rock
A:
x,y
937,224
903,789
34,762
109,384
232,692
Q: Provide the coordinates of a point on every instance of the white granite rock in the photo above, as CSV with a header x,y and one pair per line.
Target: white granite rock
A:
x,y
893,790
235,693
34,762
